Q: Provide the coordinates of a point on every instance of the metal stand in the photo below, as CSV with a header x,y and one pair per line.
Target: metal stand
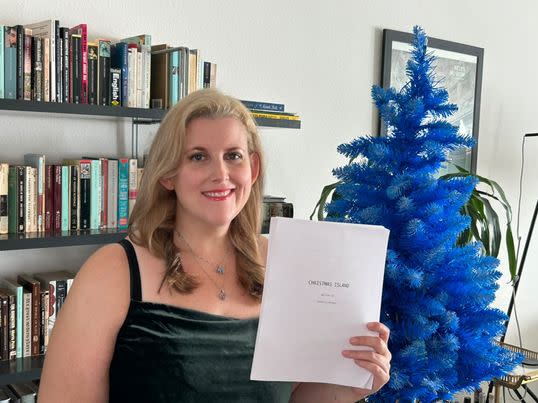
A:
x,y
512,299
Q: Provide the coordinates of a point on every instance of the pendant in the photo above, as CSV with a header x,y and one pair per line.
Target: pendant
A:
x,y
220,269
222,295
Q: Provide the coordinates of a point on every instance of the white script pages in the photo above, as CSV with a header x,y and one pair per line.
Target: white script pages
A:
x,y
323,284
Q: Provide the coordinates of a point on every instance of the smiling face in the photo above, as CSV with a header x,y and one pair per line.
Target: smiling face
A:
x,y
215,174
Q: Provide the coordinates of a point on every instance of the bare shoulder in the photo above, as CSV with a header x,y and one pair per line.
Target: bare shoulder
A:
x,y
262,244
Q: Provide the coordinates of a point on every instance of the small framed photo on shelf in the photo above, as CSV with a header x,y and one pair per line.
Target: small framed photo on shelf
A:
x,y
459,69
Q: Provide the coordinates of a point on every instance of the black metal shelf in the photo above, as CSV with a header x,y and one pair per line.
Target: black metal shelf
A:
x,y
139,115
36,240
21,369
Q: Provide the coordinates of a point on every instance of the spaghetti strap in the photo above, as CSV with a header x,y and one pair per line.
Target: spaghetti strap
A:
x,y
134,270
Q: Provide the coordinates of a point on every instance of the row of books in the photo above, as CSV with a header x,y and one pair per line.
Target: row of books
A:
x,y
29,306
79,194
269,110
46,62
24,392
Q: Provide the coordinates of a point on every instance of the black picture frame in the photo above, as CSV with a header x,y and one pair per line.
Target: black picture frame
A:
x,y
456,65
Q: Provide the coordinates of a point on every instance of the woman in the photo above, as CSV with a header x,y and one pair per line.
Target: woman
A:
x,y
170,314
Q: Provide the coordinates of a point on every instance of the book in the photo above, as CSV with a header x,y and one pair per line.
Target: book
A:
x,y
159,76
37,161
10,62
30,199
20,61
56,218
123,193
65,65
119,59
133,183
9,333
74,198
103,72
75,68
16,199
47,29
132,76
4,180
96,194
112,198
275,116
263,106
66,203
81,31
143,74
27,324
18,290
115,87
48,214
2,28
27,74
174,77
32,285
4,326
92,73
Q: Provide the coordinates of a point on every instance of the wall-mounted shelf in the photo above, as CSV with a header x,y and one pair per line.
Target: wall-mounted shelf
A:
x,y
20,370
139,115
34,240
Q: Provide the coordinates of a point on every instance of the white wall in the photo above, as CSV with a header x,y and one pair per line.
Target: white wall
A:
x,y
318,58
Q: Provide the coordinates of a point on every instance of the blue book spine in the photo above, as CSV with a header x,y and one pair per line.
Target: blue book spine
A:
x,y
174,78
2,30
95,194
264,106
66,205
123,193
10,62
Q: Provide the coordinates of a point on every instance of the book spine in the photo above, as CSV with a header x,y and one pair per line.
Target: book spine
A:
x,y
92,74
2,68
207,74
57,198
47,76
85,193
66,88
21,185
76,69
147,76
103,78
104,193
4,186
56,88
35,291
267,106
43,330
10,62
123,193
66,205
30,199
84,63
4,333
27,325
20,315
115,87
37,70
20,61
12,200
61,294
95,203
27,80
174,77
139,78
133,183
12,326
132,75
52,307
74,198
49,197
112,215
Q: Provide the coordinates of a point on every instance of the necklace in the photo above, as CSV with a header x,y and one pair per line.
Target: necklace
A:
x,y
220,268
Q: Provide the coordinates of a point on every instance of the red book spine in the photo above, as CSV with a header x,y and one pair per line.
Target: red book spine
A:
x,y
49,197
57,190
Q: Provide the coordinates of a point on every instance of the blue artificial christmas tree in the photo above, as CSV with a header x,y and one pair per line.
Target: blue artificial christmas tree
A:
x,y
436,295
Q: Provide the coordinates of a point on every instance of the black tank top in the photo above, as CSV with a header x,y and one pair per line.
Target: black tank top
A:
x,y
166,353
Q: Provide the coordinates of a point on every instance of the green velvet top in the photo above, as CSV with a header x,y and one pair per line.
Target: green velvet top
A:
x,y
165,353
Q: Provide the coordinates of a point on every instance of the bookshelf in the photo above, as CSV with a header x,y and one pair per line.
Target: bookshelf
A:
x,y
138,115
21,369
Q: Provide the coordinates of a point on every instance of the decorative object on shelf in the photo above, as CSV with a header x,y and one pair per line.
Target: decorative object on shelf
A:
x,y
274,206
460,67
436,294
272,114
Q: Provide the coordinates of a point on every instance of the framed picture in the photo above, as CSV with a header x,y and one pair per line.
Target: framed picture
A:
x,y
459,69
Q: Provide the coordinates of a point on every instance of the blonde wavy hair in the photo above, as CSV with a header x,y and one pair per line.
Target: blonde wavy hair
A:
x,y
152,221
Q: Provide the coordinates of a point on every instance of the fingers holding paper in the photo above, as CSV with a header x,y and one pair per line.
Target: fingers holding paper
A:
x,y
377,359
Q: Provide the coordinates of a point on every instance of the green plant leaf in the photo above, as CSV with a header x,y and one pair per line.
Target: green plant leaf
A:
x,y
322,202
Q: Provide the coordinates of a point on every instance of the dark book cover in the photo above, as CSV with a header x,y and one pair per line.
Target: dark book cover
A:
x,y
92,73
61,294
44,294
85,193
207,74
12,323
49,197
58,59
82,30
103,75
57,198
33,285
75,78
21,210
119,53
115,87
20,61
66,88
4,326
